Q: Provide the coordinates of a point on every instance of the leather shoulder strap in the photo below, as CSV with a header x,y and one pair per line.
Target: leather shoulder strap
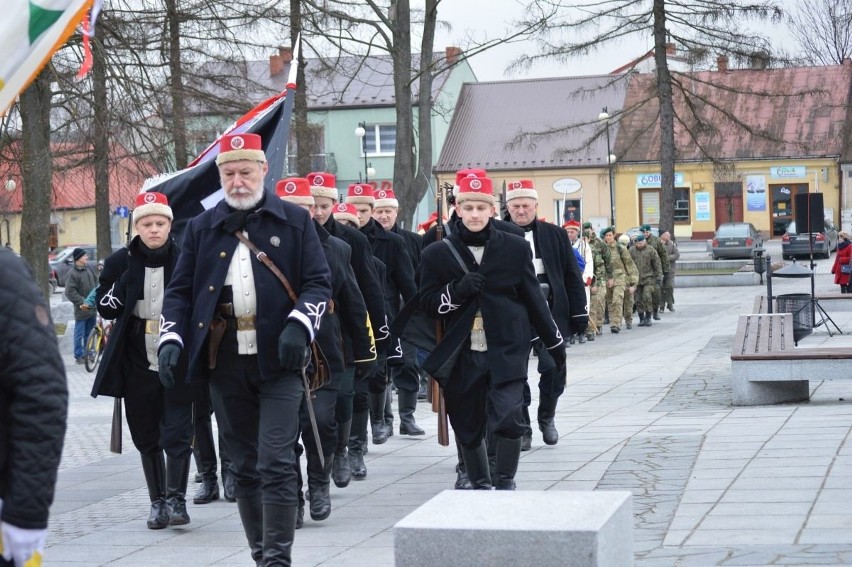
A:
x,y
263,258
456,255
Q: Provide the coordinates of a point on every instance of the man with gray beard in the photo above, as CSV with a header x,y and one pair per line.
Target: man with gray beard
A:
x,y
228,310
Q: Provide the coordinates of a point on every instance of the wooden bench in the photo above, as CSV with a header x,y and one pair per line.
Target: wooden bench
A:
x,y
767,367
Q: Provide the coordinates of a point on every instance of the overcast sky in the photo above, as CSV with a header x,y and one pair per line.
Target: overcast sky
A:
x,y
481,19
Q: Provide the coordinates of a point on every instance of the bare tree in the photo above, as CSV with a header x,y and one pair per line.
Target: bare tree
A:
x,y
823,29
576,29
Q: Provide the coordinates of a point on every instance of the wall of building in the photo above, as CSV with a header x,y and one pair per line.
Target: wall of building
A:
x,y
760,192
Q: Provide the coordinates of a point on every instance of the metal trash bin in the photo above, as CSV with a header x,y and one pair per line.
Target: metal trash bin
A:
x,y
801,306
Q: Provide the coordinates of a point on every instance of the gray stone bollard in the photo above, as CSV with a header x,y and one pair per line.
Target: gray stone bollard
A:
x,y
465,528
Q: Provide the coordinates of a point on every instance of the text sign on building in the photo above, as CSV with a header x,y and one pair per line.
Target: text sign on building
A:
x,y
787,171
651,180
702,206
567,185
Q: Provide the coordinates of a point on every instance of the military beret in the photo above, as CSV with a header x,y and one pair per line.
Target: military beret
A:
x,y
645,228
605,230
587,225
639,238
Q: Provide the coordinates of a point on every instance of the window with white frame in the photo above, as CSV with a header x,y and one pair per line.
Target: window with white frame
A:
x,y
380,139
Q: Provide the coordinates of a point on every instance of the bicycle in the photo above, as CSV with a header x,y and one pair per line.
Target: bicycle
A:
x,y
96,343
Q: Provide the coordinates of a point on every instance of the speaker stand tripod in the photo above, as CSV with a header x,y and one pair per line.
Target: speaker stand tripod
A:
x,y
825,318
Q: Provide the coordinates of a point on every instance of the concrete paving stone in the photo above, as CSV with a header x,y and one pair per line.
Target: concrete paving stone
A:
x,y
803,471
708,484
750,523
832,521
693,509
779,463
702,496
760,508
825,535
63,554
781,481
742,537
703,472
770,495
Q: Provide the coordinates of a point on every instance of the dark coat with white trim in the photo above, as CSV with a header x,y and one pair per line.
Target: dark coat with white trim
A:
x,y
510,303
286,233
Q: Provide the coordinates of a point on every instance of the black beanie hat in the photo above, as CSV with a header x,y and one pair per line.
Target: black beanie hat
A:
x,y
78,253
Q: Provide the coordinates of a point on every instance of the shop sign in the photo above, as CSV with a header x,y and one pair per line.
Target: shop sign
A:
x,y
650,180
787,171
702,206
567,185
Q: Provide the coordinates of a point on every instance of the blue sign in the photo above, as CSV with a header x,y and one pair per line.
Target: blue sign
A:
x,y
646,180
787,171
122,212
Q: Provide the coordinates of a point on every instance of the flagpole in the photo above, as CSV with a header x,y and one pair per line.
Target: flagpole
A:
x,y
276,151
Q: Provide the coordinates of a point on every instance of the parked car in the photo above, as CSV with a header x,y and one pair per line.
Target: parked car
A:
x,y
632,232
52,280
795,244
736,240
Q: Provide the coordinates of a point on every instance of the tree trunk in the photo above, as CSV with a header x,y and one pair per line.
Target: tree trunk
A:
x,y
403,170
664,95
300,104
424,106
37,176
176,85
100,150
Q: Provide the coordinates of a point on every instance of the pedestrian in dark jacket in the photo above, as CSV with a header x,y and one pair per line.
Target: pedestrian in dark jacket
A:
x,y
561,281
33,411
230,311
131,291
81,281
482,283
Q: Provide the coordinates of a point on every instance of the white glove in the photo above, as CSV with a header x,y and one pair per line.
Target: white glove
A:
x,y
24,547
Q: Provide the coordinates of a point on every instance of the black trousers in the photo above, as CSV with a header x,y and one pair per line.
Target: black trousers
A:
x,y
474,401
550,383
324,402
345,395
406,376
259,418
156,423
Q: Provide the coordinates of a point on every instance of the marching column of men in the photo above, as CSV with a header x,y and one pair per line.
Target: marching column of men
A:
x,y
341,272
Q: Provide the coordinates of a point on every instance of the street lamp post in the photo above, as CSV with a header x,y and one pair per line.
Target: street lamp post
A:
x,y
604,117
361,132
10,186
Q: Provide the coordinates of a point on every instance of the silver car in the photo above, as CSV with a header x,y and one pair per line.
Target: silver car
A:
x,y
795,244
736,240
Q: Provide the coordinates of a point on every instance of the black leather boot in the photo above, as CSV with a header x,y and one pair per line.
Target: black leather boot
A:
x,y
251,516
154,468
177,476
229,482
357,441
279,528
318,485
508,454
546,414
208,491
389,411
407,402
203,449
581,338
300,513
341,471
476,465
656,314
377,417
462,480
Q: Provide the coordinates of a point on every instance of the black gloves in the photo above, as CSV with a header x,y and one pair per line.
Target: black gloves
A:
x,y
471,284
559,355
293,347
168,357
579,324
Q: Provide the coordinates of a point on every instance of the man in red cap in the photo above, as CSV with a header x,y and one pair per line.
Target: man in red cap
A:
x,y
481,281
559,275
406,375
349,456
346,340
583,250
238,325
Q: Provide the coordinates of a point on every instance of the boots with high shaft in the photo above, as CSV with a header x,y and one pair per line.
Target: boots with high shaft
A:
x,y
251,516
476,464
377,417
318,485
546,416
508,454
357,442
154,468
177,476
279,529
341,471
407,404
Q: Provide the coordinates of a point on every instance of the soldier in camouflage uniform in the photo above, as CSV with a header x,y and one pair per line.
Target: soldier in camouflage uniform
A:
x,y
650,277
629,291
603,275
655,243
624,275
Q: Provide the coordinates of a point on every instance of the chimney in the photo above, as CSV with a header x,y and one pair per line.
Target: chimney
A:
x,y
722,63
286,54
847,61
276,65
453,54
671,50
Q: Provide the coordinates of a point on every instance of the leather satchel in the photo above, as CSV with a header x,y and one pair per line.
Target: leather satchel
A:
x,y
317,370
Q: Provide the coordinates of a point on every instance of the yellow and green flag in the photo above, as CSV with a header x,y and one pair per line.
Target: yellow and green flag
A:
x,y
30,32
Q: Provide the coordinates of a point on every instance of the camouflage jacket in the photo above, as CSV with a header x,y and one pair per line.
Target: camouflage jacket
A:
x,y
602,259
623,269
657,244
647,263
